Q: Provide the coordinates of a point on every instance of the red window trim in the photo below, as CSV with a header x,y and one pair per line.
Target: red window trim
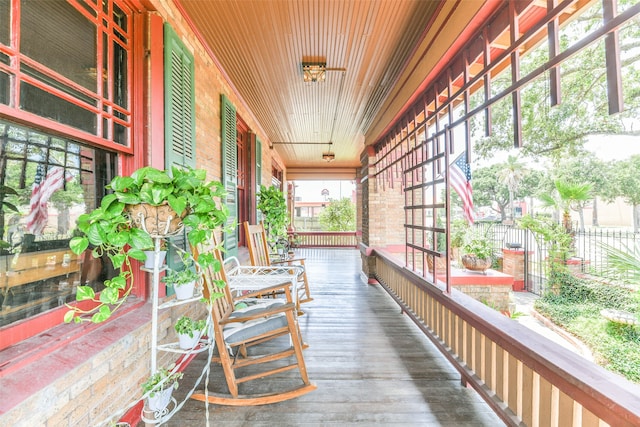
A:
x,y
135,51
130,159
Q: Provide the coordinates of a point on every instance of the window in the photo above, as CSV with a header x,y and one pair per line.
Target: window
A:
x,y
78,76
47,182
65,82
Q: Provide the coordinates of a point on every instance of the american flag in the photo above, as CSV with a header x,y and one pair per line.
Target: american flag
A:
x,y
43,188
460,179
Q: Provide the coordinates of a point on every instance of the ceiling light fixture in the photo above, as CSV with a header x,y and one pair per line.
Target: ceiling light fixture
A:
x,y
314,71
329,156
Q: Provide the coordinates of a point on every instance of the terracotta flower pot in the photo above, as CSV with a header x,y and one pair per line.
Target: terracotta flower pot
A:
x,y
473,263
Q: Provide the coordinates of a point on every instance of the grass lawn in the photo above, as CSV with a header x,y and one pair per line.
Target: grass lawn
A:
x,y
577,307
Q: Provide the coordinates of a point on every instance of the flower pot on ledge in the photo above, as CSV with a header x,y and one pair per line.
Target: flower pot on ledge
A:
x,y
473,263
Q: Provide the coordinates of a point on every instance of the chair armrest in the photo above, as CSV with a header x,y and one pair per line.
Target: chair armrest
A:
x,y
231,265
284,261
256,271
259,314
281,287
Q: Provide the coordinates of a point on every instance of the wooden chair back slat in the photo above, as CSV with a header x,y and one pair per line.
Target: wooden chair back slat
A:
x,y
259,255
257,244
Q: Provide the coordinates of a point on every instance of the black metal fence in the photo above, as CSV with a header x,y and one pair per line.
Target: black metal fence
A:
x,y
588,257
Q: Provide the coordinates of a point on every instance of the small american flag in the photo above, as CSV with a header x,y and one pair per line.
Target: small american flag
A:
x,y
460,179
43,188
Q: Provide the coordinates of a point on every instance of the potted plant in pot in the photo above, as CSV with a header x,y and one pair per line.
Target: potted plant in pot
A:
x,y
119,229
159,387
272,204
477,251
189,331
150,254
183,281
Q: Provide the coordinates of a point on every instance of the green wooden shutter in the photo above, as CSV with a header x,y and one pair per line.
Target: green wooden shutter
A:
x,y
258,163
180,125
230,171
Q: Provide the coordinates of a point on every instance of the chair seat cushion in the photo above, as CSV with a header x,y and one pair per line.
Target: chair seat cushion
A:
x,y
251,306
243,331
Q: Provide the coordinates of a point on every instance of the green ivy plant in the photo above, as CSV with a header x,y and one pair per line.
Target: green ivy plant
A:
x,y
183,276
187,326
272,204
560,247
162,379
110,230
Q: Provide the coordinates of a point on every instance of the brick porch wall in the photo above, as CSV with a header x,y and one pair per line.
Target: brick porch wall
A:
x,y
83,381
88,380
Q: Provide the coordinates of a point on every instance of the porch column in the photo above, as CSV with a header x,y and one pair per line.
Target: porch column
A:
x,y
381,210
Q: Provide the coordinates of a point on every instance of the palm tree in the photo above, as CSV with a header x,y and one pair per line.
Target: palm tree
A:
x,y
624,262
569,196
511,175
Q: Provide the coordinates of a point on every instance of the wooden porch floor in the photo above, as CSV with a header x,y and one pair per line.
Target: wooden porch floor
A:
x,y
372,366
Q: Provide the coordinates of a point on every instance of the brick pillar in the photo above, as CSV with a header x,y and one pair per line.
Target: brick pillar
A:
x,y
513,264
382,211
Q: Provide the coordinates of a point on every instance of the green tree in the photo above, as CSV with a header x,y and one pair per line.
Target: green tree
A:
x,y
529,187
560,131
568,196
490,185
488,190
625,179
587,168
339,215
510,175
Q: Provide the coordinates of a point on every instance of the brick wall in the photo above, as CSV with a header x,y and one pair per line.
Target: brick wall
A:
x,y
95,381
383,214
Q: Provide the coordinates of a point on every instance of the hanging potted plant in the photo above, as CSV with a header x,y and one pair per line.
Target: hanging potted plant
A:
x,y
159,387
119,229
183,281
272,204
189,331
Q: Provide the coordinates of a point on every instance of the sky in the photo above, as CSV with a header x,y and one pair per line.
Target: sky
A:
x,y
618,147
311,191
614,147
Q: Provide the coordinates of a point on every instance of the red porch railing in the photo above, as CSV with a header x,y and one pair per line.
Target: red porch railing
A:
x,y
524,377
324,239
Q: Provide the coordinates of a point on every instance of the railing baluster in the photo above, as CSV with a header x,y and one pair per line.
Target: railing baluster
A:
x,y
539,384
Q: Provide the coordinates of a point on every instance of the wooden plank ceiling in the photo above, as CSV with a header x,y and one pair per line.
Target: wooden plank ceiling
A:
x,y
383,53
261,44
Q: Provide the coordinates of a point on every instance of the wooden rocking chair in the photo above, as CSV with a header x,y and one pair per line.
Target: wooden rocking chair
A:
x,y
237,329
259,254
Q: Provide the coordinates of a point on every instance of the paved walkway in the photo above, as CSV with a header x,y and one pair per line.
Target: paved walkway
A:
x,y
536,322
